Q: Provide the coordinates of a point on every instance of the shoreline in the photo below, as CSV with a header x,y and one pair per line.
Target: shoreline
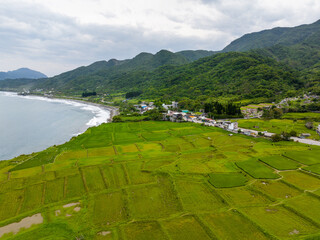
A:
x,y
110,112
113,110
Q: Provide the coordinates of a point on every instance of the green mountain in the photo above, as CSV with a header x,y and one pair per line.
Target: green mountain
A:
x,y
308,34
104,74
243,74
297,47
22,73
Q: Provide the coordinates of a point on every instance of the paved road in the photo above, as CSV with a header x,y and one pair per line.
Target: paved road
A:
x,y
306,141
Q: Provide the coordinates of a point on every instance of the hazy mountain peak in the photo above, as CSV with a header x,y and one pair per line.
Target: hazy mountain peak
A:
x,y
22,73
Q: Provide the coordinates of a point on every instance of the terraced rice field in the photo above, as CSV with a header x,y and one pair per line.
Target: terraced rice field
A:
x,y
163,180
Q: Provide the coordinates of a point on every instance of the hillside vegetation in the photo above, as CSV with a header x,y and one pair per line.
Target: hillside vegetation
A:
x,y
246,75
162,180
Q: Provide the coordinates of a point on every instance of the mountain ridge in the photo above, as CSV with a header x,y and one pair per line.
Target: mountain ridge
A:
x,y
22,73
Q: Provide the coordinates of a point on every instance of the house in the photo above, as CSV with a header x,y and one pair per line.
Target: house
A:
x,y
233,126
171,106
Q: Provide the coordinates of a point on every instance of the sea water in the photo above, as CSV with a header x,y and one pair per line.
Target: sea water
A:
x,y
30,124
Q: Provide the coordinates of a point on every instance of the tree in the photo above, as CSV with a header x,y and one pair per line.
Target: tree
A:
x,y
117,119
276,138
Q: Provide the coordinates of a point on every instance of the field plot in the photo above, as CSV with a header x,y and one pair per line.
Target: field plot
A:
x,y
301,180
109,208
108,172
172,148
280,162
32,198
99,152
257,170
9,204
155,164
72,155
184,131
75,187
27,173
98,140
307,205
199,141
198,196
12,184
155,135
119,175
153,201
144,231
276,189
54,190
186,165
184,228
137,176
231,225
146,147
223,180
126,138
306,157
243,196
123,149
314,168
280,221
93,179
41,158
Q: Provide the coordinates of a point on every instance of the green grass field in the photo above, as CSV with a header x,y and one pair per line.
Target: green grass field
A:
x,y
221,180
163,180
257,169
279,126
280,163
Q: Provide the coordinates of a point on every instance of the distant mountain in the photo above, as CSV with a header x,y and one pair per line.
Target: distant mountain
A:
x,y
284,36
22,73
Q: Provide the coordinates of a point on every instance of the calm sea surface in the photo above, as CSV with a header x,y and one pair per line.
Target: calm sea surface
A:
x,y
30,124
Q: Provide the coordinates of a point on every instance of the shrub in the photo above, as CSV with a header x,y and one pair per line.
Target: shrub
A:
x,y
276,138
309,125
116,119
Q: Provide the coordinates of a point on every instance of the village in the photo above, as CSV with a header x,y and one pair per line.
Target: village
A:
x,y
174,115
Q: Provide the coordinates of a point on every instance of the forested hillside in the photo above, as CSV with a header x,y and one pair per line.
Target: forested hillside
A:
x,y
244,74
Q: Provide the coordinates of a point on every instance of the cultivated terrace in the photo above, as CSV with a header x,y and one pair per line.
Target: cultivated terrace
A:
x,y
162,180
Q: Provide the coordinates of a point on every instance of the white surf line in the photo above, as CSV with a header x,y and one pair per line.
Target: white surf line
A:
x,y
101,115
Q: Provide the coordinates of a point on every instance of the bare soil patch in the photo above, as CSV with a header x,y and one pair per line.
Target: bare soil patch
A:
x,y
24,223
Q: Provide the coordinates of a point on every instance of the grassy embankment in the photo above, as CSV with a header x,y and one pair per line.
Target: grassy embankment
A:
x,y
163,180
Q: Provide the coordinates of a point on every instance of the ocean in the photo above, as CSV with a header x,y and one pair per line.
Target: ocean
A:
x,y
30,124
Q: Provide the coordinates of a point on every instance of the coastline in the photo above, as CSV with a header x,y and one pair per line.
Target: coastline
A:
x,y
102,114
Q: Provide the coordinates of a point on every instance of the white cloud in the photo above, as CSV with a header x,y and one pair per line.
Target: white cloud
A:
x,y
56,35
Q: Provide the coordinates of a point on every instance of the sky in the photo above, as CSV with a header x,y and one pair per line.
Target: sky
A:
x,y
54,36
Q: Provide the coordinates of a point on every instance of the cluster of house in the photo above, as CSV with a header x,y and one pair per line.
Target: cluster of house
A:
x,y
143,107
146,106
186,116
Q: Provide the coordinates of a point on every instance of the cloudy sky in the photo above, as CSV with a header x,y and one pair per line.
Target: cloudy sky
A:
x,y
54,36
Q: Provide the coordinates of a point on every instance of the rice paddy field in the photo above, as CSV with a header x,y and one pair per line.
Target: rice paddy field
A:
x,y
162,180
